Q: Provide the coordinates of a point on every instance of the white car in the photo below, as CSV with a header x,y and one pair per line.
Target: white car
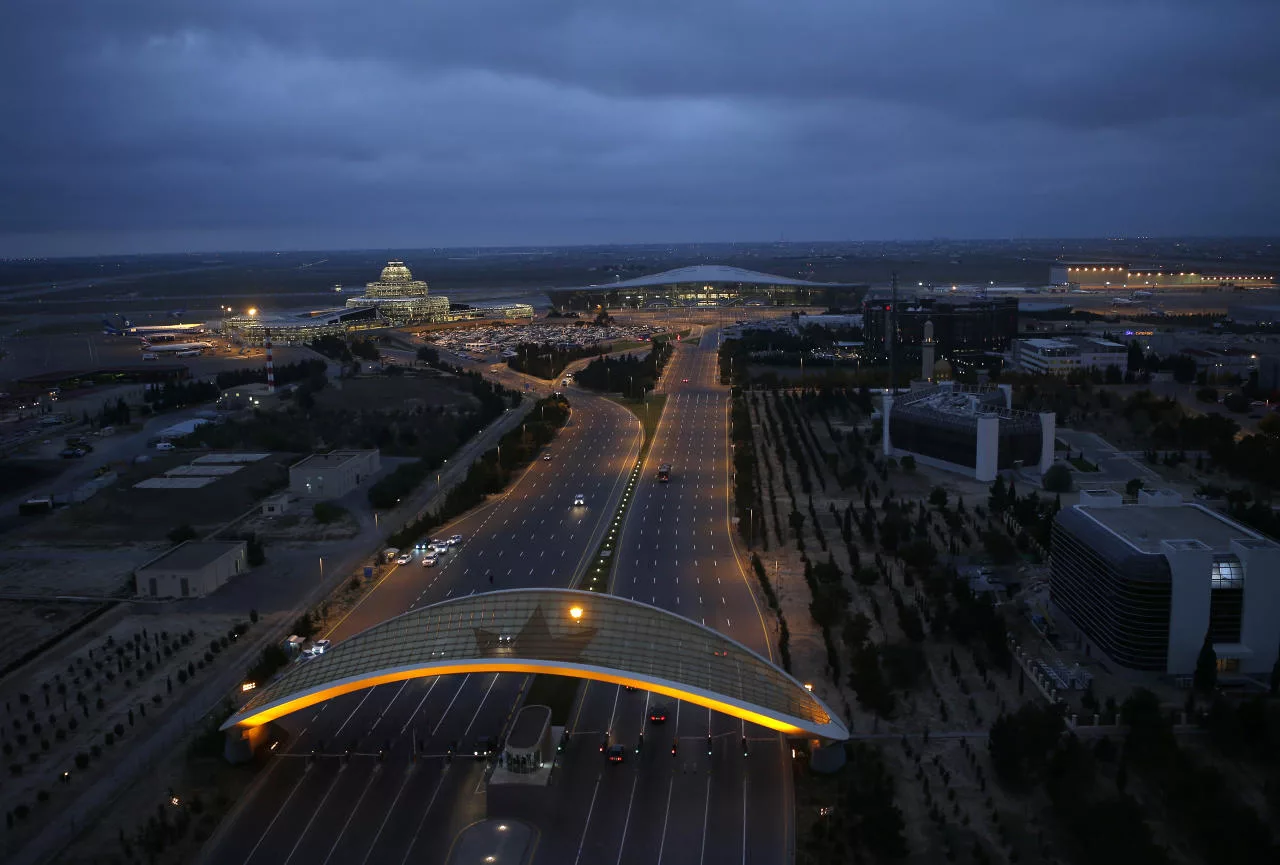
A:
x,y
546,458
439,548
164,446
404,558
579,500
319,647
455,539
429,561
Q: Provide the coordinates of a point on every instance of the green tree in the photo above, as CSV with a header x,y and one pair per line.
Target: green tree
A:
x,y
938,497
182,534
1206,675
908,463
1132,487
1058,479
998,499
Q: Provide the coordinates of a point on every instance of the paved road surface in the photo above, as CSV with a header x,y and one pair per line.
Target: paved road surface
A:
x,y
398,811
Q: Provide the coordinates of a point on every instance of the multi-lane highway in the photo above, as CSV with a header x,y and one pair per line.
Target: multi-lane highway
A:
x,y
675,552
363,810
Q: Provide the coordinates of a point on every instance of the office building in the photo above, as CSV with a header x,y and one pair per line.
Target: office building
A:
x,y
960,325
970,430
1144,583
191,570
332,475
1065,354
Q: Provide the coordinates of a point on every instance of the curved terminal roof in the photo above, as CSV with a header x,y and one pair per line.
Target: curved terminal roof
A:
x,y
711,274
564,632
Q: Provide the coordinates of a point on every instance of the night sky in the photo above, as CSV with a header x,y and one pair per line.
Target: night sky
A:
x,y
166,125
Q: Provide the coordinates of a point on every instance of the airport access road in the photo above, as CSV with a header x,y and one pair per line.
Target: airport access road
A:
x,y
363,810
676,552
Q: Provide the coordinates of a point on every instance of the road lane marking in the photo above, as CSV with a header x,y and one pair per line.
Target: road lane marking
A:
x,y
390,810
585,826
435,681
450,706
367,694
467,732
351,813
283,805
623,845
702,856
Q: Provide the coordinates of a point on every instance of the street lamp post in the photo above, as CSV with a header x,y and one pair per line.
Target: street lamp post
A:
x,y
322,569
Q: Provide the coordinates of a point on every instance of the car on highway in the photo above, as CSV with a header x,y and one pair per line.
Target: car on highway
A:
x,y
319,647
580,500
164,446
404,558
71,453
430,560
685,380
454,540
658,715
546,458
484,748
617,753
439,547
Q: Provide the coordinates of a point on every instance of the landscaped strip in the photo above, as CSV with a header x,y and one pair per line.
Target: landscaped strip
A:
x,y
597,576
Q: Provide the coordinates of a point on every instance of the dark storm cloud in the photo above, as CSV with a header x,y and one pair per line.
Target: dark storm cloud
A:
x,y
511,121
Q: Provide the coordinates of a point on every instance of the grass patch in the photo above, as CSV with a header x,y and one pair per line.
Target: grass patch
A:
x,y
558,692
1083,464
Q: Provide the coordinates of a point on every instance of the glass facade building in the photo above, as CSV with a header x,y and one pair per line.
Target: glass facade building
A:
x,y
1146,583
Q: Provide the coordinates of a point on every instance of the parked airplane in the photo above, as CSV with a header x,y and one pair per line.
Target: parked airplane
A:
x,y
182,349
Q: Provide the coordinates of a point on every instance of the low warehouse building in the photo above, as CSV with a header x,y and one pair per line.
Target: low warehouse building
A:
x,y
332,475
192,569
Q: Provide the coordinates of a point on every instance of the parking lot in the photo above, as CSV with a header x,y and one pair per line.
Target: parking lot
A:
x,y
489,339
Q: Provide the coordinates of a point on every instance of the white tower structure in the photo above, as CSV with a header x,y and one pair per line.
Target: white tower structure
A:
x,y
927,352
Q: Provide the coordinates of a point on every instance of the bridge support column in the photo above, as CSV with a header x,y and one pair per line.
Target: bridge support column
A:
x,y
242,742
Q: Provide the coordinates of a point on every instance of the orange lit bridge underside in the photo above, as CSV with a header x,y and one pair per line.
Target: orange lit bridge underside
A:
x,y
755,714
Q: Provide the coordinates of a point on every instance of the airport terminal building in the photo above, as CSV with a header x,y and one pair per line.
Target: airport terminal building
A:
x,y
974,431
1142,584
299,328
706,285
400,299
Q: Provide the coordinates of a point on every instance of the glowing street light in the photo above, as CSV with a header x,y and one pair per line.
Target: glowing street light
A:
x,y
575,612
253,310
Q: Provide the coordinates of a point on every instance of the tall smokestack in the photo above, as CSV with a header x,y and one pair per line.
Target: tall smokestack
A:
x,y
271,366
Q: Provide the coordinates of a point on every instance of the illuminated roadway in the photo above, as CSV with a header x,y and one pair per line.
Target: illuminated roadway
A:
x,y
398,811
675,553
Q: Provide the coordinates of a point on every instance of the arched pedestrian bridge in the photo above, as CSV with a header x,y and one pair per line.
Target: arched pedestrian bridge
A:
x,y
562,632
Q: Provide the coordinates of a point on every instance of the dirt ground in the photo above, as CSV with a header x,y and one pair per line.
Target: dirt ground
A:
x,y
70,568
943,782
89,695
121,513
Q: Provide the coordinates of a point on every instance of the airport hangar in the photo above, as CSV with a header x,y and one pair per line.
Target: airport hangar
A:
x,y
708,285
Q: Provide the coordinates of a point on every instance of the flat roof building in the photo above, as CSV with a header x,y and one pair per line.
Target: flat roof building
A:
x,y
1144,583
970,430
332,475
1061,355
191,570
